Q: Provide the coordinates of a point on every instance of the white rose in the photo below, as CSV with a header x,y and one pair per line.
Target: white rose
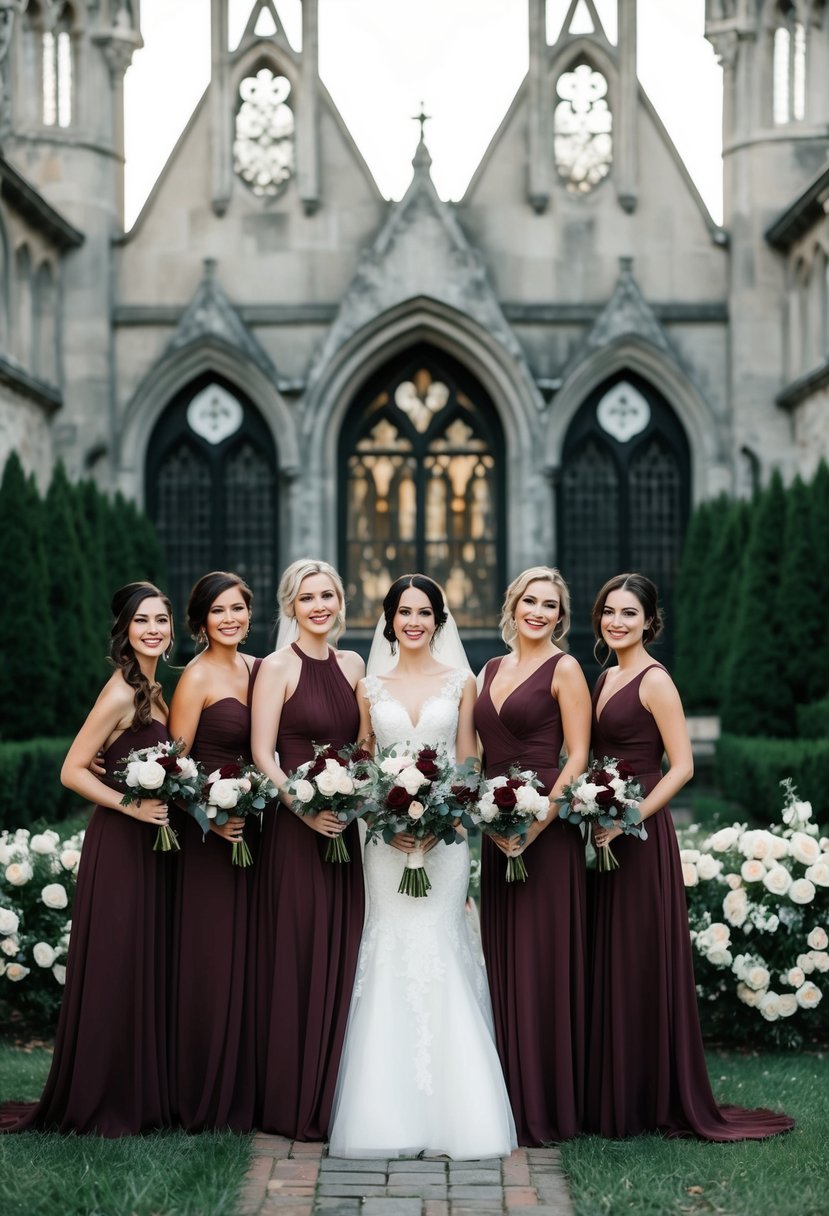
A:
x,y
777,880
9,946
708,867
723,840
151,776
131,777
304,791
757,977
588,792
44,843
59,972
819,873
735,906
344,783
753,870
224,793
43,954
787,1004
734,881
746,843
747,995
416,810
326,783
818,939
801,891
806,963
392,765
718,934
769,1006
763,845
618,786
21,837
797,812
244,784
18,873
6,854
526,799
411,779
720,956
804,849
795,977
9,921
69,859
808,995
188,769
821,960
689,855
689,874
54,895
779,848
487,810
16,972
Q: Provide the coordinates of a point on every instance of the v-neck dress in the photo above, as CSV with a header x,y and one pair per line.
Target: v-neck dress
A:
x,y
646,1064
534,933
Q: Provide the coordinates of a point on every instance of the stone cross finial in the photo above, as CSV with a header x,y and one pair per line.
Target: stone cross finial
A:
x,y
422,118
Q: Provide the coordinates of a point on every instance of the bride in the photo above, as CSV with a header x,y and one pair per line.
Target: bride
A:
x,y
419,1069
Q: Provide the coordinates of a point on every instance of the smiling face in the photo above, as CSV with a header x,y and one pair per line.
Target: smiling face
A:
x,y
537,611
414,621
151,628
228,618
316,605
623,620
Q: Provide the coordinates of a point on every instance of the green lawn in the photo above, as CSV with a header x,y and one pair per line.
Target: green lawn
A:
x,y
165,1174
785,1176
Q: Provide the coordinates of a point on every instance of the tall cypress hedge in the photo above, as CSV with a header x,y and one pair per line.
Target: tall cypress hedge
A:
x,y
691,578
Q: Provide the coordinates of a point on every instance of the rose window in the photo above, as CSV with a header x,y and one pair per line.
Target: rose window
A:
x,y
263,148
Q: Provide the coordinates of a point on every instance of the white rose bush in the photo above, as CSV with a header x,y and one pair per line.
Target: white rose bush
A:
x,y
37,886
162,772
758,910
234,789
332,781
506,806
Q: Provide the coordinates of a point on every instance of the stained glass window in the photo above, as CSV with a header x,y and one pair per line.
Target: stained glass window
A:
x,y
183,519
582,125
263,148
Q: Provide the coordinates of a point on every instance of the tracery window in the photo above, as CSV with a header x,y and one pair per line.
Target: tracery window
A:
x,y
263,148
582,126
421,489
789,88
57,71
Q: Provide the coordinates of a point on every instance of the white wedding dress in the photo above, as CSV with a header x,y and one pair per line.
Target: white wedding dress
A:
x,y
419,1069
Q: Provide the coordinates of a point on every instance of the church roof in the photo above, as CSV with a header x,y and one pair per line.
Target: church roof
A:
x,y
802,214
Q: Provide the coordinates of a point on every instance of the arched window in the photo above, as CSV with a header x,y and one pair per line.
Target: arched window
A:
x,y
789,67
263,147
212,493
44,327
623,497
23,305
582,125
4,288
58,69
421,488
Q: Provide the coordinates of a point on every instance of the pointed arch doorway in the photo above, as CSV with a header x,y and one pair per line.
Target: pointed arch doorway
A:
x,y
421,487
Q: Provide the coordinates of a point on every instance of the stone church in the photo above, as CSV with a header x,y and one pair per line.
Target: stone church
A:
x,y
277,361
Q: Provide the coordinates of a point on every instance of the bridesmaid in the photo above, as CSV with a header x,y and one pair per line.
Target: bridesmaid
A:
x,y
533,702
646,1064
210,711
307,912
109,1071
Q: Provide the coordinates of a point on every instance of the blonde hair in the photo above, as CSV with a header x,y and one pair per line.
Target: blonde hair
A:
x,y
516,589
291,581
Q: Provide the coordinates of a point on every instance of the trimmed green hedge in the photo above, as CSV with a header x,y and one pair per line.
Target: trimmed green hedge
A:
x,y
30,787
813,720
750,771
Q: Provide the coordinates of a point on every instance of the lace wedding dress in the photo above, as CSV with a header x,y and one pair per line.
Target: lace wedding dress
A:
x,y
419,1069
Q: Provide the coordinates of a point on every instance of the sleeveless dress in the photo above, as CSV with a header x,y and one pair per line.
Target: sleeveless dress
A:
x,y
307,916
646,1067
210,945
534,932
109,1071
419,1070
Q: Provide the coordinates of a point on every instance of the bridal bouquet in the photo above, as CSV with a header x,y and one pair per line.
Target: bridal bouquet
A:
x,y
234,789
608,794
332,781
507,806
161,772
420,792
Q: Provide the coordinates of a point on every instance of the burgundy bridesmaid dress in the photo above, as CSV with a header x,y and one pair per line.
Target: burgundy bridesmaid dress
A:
x,y
307,922
646,1064
209,1087
109,1071
534,933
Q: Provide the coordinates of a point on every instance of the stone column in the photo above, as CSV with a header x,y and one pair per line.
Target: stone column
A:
x,y
626,155
308,157
220,106
539,115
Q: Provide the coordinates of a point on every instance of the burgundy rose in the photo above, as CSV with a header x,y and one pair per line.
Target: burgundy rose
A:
x,y
514,783
427,753
398,799
229,772
626,771
606,798
464,794
504,797
603,777
360,756
428,767
168,763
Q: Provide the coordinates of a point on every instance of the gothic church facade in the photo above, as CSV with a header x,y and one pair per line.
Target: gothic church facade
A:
x,y
277,361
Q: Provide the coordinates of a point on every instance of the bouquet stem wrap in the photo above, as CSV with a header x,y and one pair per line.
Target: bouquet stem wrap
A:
x,y
516,869
414,879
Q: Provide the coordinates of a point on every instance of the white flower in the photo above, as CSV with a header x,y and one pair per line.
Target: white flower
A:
x,y
746,843
6,854
747,995
806,963
708,867
821,960
9,921
326,783
244,784
818,939
9,946
777,880
487,809
720,956
188,769
808,995
757,977
717,934
131,776
16,972
797,812
753,870
819,873
224,793
689,874
769,1006
411,779
734,881
689,855
735,906
18,873
43,954
304,791
69,859
21,837
416,810
44,843
794,977
393,765
345,785
804,849
527,799
763,844
802,891
779,848
787,1004
151,776
59,972
723,840
54,895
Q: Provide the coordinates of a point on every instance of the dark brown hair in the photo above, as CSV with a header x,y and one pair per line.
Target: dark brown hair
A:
x,y
124,606
206,590
647,595
421,582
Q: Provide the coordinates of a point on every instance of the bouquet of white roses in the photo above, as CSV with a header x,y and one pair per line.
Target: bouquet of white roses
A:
x,y
507,805
332,781
609,794
420,792
234,789
162,772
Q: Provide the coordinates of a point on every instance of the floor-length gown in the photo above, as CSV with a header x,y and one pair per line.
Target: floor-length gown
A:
x,y
534,932
646,1063
306,924
109,1071
209,1088
419,1069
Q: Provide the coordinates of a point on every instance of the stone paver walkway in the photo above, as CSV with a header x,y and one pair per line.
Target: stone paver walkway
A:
x,y
288,1178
